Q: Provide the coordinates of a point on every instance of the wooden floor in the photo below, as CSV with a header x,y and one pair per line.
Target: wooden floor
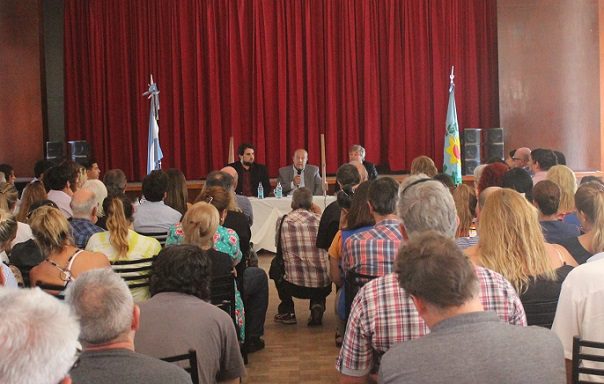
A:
x,y
294,353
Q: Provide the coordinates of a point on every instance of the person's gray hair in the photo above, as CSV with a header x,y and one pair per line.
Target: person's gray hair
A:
x,y
426,205
358,148
104,304
82,208
302,198
100,192
39,337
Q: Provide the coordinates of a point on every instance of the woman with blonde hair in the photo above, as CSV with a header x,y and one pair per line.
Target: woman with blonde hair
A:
x,y
589,201
567,181
33,192
63,261
120,242
8,231
423,164
519,252
8,202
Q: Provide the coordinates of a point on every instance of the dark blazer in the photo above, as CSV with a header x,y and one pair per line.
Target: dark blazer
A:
x,y
371,171
312,179
258,174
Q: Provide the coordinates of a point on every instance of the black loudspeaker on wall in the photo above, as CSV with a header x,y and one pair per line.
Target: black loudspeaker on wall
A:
x,y
494,143
79,150
471,150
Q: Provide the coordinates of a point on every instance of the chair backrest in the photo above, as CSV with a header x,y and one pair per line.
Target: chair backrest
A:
x,y
353,281
136,273
222,293
191,356
159,236
594,355
55,290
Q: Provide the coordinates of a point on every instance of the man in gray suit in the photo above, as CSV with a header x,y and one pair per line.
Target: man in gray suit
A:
x,y
300,174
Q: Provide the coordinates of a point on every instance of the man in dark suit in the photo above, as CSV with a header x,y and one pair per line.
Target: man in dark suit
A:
x,y
250,173
300,174
356,152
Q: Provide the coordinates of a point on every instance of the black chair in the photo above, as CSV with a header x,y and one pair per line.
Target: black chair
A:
x,y
580,357
159,236
52,289
353,281
191,356
222,295
136,273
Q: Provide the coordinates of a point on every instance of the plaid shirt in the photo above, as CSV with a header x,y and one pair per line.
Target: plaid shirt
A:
x,y
82,230
373,252
305,264
383,315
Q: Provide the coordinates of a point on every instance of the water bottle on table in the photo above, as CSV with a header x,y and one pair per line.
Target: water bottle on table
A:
x,y
260,191
278,191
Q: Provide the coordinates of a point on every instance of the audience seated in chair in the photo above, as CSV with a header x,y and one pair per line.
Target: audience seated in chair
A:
x,y
546,198
8,230
109,319
84,207
153,215
63,261
382,313
39,338
58,180
177,195
178,317
220,179
8,202
306,266
120,242
445,290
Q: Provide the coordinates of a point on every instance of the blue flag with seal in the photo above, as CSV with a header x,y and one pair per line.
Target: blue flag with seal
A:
x,y
154,153
452,155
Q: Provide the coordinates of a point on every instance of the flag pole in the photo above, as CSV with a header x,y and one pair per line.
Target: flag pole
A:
x,y
323,169
231,151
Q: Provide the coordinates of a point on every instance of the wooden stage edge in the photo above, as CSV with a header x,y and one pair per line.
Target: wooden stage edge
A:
x,y
194,186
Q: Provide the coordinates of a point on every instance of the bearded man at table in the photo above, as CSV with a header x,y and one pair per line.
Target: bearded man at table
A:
x,y
251,174
300,174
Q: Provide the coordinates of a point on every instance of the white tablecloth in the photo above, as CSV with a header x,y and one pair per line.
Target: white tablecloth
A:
x,y
266,213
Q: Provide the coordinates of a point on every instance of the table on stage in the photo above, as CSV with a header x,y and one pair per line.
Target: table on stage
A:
x,y
266,213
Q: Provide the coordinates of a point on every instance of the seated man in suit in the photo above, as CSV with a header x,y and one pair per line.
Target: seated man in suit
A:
x,y
250,173
356,152
300,175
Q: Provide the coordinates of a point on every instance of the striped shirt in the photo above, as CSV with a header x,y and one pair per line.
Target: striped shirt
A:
x,y
305,264
372,252
383,315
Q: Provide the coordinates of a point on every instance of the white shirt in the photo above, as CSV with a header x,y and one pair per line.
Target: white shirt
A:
x,y
154,217
62,200
580,309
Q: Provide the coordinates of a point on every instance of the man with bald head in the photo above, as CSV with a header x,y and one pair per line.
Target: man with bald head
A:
x,y
242,201
300,174
521,158
84,207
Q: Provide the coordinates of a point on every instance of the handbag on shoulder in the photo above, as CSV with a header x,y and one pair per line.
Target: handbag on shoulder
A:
x,y
277,269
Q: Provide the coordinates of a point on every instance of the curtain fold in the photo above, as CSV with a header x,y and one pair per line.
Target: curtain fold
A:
x,y
276,73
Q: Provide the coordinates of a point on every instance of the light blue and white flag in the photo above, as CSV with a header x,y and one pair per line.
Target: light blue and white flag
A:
x,y
154,153
452,155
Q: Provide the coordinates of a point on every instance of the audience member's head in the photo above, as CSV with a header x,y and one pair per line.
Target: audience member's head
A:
x,y
84,205
220,179
434,270
477,174
155,186
9,173
589,201
100,193
361,169
426,204
182,269
34,191
345,195
521,157
425,165
302,199
103,303
560,157
356,152
359,214
511,241
219,197
383,196
446,180
8,229
41,167
39,337
77,174
93,172
496,159
492,176
115,181
465,205
177,194
567,181
247,154
546,197
542,159
8,196
120,215
200,224
347,174
520,181
231,172
591,178
51,229
58,178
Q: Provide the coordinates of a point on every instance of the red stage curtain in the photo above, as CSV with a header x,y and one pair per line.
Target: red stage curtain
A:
x,y
276,73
